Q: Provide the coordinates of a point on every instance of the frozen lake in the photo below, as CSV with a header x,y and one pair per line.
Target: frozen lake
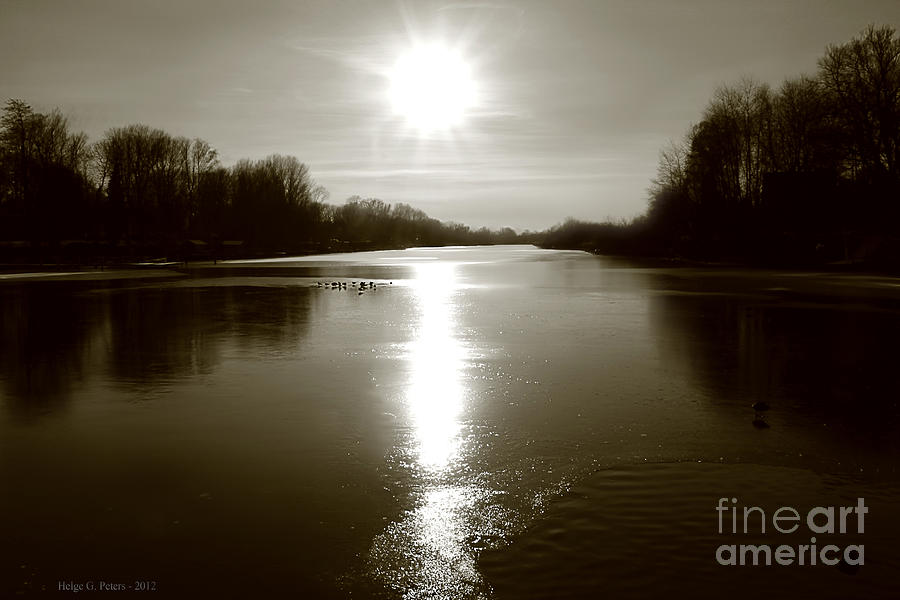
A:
x,y
487,422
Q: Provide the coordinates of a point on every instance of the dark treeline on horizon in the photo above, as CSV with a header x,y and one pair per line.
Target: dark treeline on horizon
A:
x,y
141,192
805,174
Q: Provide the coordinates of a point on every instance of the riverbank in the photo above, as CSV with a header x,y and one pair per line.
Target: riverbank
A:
x,y
876,266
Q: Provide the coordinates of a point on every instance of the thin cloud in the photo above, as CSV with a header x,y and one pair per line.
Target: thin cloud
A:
x,y
368,55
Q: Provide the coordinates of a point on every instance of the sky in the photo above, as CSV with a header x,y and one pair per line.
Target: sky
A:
x,y
572,101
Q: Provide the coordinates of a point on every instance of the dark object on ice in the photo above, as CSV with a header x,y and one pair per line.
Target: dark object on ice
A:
x,y
759,419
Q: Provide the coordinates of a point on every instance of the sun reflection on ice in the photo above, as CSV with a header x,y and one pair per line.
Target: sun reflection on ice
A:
x,y
427,553
435,393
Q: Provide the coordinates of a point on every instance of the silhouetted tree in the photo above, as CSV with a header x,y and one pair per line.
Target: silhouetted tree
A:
x,y
145,192
43,190
863,78
148,183
804,139
805,173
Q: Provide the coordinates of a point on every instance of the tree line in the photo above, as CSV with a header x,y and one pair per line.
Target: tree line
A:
x,y
141,192
805,173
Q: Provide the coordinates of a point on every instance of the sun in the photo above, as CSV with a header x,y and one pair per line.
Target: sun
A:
x,y
431,86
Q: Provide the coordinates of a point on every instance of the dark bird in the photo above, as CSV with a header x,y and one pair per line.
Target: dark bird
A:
x,y
760,406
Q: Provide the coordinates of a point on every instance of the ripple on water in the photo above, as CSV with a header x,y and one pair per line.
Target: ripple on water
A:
x,y
631,532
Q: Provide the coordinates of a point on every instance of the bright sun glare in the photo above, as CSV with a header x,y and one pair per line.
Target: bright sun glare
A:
x,y
432,87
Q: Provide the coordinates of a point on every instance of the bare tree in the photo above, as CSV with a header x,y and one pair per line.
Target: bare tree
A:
x,y
863,78
802,138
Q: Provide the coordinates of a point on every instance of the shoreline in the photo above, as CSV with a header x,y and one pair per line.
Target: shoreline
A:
x,y
157,267
860,267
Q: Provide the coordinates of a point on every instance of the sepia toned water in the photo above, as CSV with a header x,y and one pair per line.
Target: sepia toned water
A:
x,y
490,422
